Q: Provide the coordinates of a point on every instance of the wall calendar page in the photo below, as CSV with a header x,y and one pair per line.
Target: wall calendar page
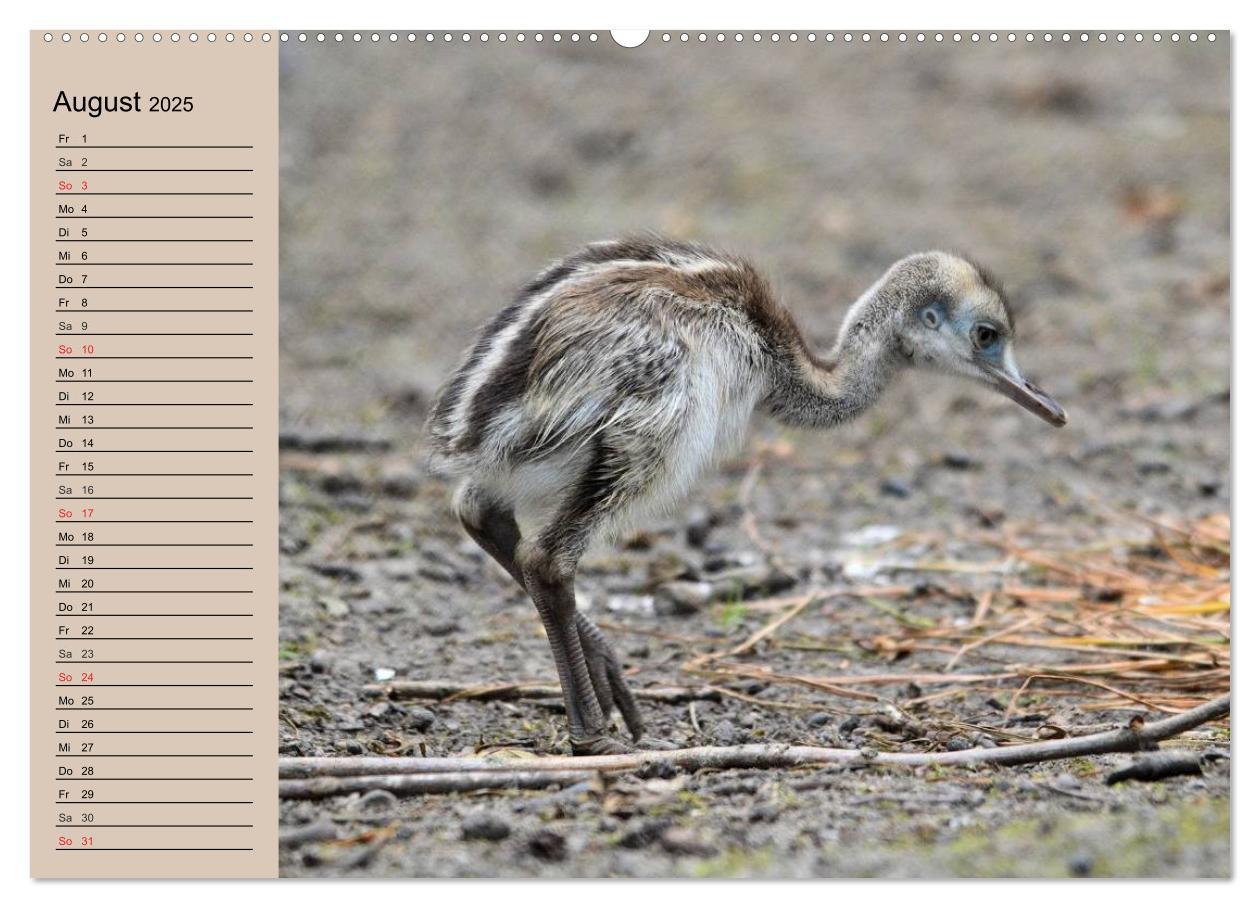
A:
x,y
680,454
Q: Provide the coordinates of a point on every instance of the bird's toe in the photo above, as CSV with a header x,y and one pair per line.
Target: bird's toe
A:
x,y
600,746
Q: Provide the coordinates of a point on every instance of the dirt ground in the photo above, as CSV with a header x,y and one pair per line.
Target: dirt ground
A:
x,y
422,183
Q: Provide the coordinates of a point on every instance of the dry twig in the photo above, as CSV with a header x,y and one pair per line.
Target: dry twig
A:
x,y
315,777
448,691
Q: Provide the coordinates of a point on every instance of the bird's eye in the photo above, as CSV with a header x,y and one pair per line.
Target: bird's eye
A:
x,y
931,317
984,336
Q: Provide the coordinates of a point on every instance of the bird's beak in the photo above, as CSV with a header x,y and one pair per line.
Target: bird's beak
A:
x,y
1007,380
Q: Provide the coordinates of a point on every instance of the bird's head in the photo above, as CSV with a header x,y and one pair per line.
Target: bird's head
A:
x,y
950,315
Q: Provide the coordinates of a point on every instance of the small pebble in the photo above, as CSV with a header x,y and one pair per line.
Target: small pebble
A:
x,y
642,834
378,800
715,547
634,605
1081,864
817,720
321,661
958,742
683,597
895,488
548,846
725,733
337,572
957,460
420,719
891,724
657,769
763,813
488,827
688,842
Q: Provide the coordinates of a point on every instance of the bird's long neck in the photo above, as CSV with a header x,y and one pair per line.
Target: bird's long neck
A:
x,y
821,391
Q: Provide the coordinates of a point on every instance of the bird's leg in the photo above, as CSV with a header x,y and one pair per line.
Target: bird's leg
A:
x,y
493,527
552,592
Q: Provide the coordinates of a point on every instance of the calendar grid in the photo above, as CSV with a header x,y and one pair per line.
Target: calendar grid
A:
x,y
154,320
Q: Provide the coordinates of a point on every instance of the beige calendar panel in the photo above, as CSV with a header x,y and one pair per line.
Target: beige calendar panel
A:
x,y
154,380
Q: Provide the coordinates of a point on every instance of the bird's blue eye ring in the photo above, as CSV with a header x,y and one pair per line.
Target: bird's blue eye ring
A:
x,y
931,317
984,336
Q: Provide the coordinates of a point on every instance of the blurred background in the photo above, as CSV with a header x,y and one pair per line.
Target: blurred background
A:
x,y
423,183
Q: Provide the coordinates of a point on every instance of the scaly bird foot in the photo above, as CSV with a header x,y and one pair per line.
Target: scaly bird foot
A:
x,y
607,676
600,746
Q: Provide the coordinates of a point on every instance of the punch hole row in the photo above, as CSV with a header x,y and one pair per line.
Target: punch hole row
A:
x,y
438,37
930,37
665,37
155,37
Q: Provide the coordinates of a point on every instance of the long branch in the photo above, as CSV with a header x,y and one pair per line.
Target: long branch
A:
x,y
513,690
327,786
323,776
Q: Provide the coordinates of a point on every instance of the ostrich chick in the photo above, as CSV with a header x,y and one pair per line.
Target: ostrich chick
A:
x,y
620,373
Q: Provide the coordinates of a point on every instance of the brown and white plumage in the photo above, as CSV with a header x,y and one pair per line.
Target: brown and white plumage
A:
x,y
619,374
